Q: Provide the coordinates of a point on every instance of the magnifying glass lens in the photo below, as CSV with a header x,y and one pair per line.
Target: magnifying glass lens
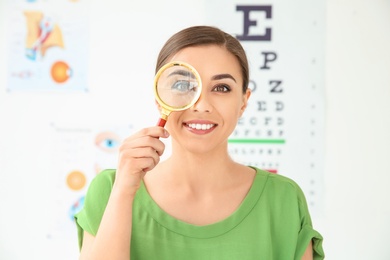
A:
x,y
177,87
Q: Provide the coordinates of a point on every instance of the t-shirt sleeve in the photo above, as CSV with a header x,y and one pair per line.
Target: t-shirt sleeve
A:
x,y
96,199
307,233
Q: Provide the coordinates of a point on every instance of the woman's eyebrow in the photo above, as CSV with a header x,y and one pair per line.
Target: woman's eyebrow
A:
x,y
223,76
182,73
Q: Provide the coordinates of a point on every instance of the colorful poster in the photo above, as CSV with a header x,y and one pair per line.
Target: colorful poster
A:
x,y
47,45
78,154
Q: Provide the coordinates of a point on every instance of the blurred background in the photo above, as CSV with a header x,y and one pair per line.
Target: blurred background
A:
x,y
76,78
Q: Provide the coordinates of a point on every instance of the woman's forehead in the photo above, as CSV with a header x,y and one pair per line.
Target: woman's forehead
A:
x,y
212,58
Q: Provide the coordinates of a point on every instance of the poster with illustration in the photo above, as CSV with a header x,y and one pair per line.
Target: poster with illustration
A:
x,y
79,153
47,45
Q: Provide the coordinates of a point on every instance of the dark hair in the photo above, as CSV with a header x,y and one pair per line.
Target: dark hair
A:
x,y
205,35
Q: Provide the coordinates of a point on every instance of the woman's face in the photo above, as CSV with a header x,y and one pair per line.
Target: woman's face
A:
x,y
208,124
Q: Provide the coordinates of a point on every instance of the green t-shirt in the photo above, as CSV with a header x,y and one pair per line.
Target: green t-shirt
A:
x,y
272,222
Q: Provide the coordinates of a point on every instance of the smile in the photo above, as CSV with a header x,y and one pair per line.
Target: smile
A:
x,y
200,126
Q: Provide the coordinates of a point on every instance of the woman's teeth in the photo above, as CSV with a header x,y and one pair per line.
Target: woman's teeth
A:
x,y
201,126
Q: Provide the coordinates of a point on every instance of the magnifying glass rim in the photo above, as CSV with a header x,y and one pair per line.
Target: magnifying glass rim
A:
x,y
172,64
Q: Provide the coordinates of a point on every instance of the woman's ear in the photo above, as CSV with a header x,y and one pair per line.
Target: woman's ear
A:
x,y
245,99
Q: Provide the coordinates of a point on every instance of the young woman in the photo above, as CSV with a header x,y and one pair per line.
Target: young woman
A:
x,y
199,203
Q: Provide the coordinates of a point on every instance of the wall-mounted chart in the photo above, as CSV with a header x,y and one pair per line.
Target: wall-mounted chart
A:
x,y
79,153
47,45
282,130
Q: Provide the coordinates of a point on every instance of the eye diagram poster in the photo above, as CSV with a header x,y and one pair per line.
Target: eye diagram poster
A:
x,y
282,130
79,153
47,45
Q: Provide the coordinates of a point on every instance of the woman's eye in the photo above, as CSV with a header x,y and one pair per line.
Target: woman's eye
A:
x,y
183,86
221,88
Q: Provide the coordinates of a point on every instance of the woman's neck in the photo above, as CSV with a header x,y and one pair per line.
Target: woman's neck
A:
x,y
200,170
212,185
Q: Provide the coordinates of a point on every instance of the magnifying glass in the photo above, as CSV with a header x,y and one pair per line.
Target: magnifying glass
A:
x,y
177,87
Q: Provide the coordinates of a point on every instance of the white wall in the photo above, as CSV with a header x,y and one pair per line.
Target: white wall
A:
x,y
357,171
355,224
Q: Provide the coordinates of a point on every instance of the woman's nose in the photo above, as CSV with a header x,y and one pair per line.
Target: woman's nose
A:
x,y
203,104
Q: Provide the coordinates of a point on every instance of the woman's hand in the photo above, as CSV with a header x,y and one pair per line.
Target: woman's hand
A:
x,y
139,154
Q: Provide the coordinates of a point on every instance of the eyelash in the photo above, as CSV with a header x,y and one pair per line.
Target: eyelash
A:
x,y
226,88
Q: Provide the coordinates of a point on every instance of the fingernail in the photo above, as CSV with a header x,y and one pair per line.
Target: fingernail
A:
x,y
166,134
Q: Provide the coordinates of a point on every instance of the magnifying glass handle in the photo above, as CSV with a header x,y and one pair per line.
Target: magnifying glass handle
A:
x,y
161,122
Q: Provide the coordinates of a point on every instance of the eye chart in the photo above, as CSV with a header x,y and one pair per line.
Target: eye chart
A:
x,y
282,130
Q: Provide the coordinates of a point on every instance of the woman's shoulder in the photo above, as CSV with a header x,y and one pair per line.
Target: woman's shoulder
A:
x,y
277,182
280,178
105,175
103,181
282,190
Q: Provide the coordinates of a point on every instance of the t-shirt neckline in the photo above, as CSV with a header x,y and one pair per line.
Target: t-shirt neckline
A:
x,y
206,231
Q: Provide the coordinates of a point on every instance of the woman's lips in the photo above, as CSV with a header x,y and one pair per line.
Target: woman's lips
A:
x,y
200,127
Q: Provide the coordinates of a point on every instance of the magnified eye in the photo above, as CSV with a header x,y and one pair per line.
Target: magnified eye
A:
x,y
183,86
